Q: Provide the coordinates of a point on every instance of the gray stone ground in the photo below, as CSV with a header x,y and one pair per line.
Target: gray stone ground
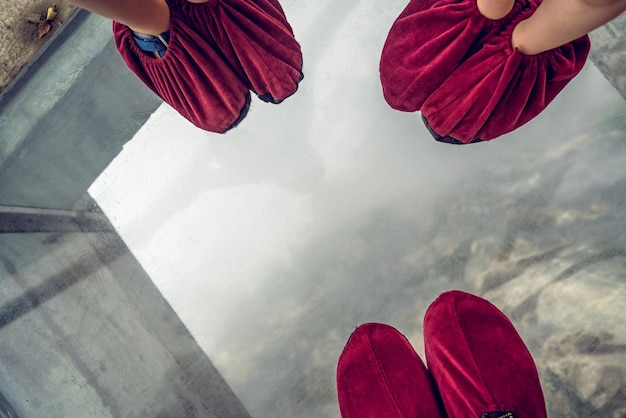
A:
x,y
85,333
18,38
75,341
608,51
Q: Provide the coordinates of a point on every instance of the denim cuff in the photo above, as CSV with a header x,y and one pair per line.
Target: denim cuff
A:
x,y
149,43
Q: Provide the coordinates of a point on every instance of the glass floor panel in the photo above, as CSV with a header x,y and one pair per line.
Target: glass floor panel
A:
x,y
273,242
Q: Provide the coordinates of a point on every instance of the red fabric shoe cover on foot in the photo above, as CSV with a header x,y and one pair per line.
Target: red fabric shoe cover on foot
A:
x,y
380,375
460,70
256,39
426,43
498,89
191,77
478,360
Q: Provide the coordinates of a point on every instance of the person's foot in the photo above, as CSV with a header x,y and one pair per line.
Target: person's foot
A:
x,y
478,361
191,76
380,375
257,41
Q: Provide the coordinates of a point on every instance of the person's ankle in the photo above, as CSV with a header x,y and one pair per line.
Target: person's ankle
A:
x,y
519,40
495,9
155,20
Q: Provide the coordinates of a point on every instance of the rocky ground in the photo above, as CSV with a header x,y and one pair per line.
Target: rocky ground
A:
x,y
19,40
542,239
558,270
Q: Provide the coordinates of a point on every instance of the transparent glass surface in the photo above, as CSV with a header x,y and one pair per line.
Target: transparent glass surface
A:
x,y
223,274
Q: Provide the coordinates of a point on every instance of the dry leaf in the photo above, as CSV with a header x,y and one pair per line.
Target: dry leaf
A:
x,y
52,13
43,28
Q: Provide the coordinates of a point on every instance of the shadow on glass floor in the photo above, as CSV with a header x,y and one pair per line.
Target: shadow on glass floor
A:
x,y
84,331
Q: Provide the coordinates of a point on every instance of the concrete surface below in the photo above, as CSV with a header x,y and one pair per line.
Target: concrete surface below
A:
x,y
609,52
19,41
83,330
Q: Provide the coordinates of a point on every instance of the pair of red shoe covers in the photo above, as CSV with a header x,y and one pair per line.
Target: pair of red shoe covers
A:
x,y
218,51
478,367
443,58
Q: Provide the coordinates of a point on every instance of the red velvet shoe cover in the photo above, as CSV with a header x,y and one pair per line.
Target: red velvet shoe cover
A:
x,y
192,76
478,361
380,375
498,89
427,43
256,39
462,73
